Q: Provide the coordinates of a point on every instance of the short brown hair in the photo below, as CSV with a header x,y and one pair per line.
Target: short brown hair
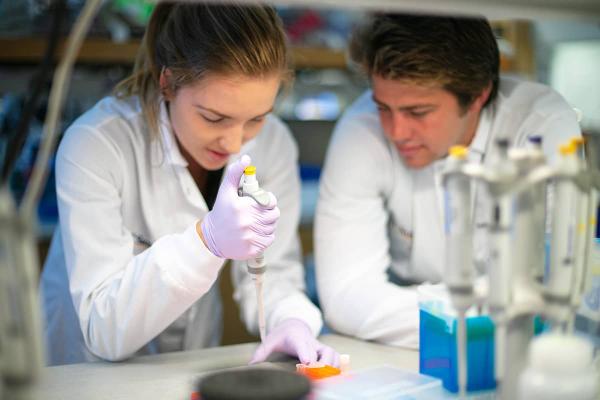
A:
x,y
192,40
459,53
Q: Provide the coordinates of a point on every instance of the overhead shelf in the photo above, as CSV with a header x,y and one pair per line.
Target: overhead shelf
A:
x,y
588,10
104,51
97,51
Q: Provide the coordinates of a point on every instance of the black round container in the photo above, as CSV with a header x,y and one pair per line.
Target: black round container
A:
x,y
254,384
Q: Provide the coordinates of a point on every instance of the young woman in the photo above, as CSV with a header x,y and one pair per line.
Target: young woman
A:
x,y
145,222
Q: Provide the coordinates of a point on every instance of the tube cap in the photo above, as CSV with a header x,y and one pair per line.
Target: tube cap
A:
x,y
458,152
250,170
577,141
535,139
567,148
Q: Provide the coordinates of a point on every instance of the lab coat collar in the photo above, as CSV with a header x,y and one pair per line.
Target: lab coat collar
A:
x,y
172,153
479,143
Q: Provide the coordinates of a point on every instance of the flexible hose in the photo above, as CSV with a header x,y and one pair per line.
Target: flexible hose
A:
x,y
58,92
17,142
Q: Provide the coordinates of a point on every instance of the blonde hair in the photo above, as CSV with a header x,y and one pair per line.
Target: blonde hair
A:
x,y
193,40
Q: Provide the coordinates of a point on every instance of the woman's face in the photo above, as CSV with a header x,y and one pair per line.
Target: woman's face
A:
x,y
214,117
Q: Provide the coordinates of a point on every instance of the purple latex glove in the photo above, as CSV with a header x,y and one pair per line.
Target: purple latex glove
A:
x,y
295,338
238,228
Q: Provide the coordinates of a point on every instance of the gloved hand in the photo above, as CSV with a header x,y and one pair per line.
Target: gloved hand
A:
x,y
238,228
295,338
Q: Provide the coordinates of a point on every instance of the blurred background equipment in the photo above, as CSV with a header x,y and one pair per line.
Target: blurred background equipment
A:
x,y
21,352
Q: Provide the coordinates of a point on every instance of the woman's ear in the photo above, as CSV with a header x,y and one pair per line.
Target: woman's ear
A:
x,y
165,83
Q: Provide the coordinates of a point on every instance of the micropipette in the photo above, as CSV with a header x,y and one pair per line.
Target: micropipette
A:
x,y
459,271
256,266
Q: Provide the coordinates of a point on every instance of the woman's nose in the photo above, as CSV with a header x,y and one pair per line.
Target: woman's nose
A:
x,y
232,141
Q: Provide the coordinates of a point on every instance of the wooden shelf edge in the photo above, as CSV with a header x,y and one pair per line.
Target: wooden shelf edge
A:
x,y
101,51
97,51
104,51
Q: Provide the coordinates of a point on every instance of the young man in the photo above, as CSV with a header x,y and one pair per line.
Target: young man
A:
x,y
379,224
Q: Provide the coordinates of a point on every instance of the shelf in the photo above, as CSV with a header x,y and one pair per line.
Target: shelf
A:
x,y
313,57
97,51
104,51
588,10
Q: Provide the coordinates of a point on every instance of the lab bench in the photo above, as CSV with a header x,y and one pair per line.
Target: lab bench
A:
x,y
172,375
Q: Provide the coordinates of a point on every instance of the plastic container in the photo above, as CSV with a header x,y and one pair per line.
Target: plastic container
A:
x,y
437,352
559,367
437,335
380,383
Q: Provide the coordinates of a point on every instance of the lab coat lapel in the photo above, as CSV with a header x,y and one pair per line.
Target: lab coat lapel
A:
x,y
479,152
175,162
428,246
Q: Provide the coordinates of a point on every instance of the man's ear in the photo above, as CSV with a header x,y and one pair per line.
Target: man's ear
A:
x,y
482,98
165,83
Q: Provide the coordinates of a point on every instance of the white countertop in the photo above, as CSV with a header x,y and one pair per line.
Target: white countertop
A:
x,y
172,375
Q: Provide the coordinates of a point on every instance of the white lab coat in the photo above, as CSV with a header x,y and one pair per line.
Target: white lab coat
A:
x,y
104,293
376,216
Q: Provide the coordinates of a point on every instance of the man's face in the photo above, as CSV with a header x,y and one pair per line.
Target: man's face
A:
x,y
423,121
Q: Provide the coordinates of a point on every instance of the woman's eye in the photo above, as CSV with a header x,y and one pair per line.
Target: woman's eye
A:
x,y
211,120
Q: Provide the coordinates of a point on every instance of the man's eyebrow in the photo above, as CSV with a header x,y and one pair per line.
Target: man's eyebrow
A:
x,y
376,100
406,108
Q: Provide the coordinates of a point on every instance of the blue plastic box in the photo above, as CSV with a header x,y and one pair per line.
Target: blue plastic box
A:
x,y
437,354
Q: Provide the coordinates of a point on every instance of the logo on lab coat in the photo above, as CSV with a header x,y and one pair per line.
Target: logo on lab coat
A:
x,y
405,234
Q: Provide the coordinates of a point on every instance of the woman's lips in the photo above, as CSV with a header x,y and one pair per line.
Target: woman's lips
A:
x,y
408,151
217,155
